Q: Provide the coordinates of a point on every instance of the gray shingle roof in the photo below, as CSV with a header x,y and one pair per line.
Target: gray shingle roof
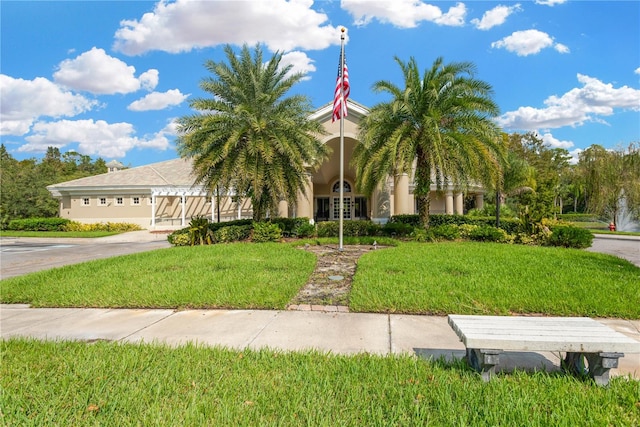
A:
x,y
176,172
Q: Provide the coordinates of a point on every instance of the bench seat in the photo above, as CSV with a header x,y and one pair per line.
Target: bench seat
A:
x,y
580,337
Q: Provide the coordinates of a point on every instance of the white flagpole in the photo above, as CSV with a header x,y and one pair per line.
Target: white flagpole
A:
x,y
342,108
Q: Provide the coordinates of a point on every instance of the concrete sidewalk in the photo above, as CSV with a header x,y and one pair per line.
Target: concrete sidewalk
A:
x,y
339,333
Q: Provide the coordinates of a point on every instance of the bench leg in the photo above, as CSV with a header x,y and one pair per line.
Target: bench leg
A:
x,y
483,361
599,365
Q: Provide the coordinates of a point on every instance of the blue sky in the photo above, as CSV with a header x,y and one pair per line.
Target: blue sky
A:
x,y
108,78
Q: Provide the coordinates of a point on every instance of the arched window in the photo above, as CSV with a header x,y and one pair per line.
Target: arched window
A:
x,y
346,187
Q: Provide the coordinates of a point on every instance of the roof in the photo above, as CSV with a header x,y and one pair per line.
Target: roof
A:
x,y
176,172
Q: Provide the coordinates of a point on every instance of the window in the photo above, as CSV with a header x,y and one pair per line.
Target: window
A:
x,y
136,200
322,209
360,208
336,187
119,201
103,201
85,201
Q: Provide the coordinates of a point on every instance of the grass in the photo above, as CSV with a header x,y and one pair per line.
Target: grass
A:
x,y
57,234
419,278
237,275
491,278
66,383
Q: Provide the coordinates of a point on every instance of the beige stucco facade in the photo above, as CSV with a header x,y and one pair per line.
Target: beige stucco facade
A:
x,y
164,195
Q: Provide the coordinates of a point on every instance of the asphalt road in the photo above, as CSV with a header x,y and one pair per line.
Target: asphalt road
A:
x,y
25,255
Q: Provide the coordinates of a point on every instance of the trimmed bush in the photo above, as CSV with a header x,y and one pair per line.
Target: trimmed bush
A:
x,y
410,219
266,232
487,233
305,230
101,226
232,233
38,224
446,232
569,236
397,229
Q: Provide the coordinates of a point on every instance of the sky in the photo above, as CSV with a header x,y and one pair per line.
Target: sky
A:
x,y
109,78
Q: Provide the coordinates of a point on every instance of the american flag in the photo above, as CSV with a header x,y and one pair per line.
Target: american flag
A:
x,y
342,90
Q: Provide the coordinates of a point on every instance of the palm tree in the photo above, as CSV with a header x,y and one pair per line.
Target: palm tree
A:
x,y
441,122
249,137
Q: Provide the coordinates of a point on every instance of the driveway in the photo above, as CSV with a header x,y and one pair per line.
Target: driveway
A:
x,y
25,255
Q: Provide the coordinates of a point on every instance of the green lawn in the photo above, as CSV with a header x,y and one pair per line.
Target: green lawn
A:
x,y
492,278
443,278
236,275
110,384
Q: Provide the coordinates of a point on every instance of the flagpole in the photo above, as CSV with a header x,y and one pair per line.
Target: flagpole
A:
x,y
342,108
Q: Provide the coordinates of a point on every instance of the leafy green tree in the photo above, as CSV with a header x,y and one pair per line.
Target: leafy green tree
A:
x,y
441,122
612,178
248,136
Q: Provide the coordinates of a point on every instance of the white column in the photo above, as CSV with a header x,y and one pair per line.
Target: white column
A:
x,y
304,203
283,209
401,195
459,206
153,210
239,203
448,203
213,208
479,201
183,200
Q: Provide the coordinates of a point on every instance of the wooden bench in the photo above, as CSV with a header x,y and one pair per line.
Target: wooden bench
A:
x,y
485,337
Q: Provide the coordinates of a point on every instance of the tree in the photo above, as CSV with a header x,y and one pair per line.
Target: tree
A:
x,y
441,122
248,137
612,180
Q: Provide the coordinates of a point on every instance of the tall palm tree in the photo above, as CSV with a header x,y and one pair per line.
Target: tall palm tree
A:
x,y
249,137
441,122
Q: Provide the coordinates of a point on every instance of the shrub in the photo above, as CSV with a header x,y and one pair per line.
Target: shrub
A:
x,y
397,229
38,224
446,232
422,235
305,230
360,228
412,220
266,232
232,233
101,226
328,229
289,226
181,239
569,236
487,233
199,231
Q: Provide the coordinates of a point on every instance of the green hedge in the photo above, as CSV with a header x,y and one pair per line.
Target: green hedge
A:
x,y
570,237
38,224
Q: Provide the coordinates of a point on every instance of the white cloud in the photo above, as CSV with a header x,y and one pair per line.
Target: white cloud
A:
x,y
403,13
97,138
23,101
590,102
184,25
158,100
637,71
550,2
96,72
496,16
528,42
553,142
300,62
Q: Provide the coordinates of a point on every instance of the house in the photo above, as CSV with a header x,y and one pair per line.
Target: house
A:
x,y
165,195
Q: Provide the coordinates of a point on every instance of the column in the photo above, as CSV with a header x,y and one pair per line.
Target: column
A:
x,y
459,203
153,210
304,203
479,201
213,208
448,203
183,202
283,209
239,203
401,195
